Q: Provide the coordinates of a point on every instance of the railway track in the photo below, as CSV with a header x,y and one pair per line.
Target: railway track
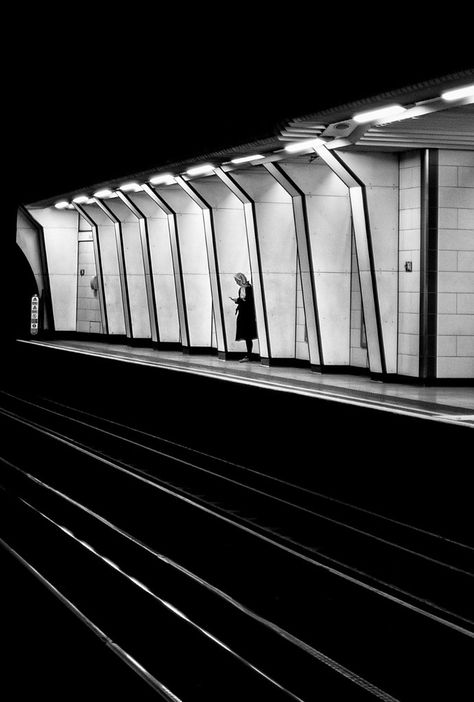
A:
x,y
280,588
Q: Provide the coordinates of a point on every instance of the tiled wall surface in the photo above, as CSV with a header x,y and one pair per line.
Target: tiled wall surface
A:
x,y
409,252
456,265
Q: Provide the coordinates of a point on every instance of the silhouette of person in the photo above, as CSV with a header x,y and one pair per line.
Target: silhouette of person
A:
x,y
246,323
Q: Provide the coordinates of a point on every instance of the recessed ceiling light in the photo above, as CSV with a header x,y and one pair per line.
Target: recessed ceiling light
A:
x,y
379,114
458,93
200,170
302,145
244,159
163,178
130,187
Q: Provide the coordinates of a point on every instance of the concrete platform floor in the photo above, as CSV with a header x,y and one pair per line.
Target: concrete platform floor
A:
x,y
441,403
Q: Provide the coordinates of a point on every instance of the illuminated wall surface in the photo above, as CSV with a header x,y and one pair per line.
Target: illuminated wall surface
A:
x,y
110,269
166,268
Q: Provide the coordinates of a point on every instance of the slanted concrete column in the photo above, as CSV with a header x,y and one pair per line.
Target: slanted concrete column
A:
x,y
210,235
191,260
275,252
98,265
373,217
146,264
121,268
164,271
131,231
254,258
231,250
302,228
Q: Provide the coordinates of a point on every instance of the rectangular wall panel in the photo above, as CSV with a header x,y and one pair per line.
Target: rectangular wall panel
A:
x,y
134,268
455,322
60,236
278,255
380,174
110,269
409,257
232,249
194,265
329,219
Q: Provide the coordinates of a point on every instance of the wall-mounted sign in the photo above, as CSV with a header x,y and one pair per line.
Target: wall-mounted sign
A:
x,y
34,321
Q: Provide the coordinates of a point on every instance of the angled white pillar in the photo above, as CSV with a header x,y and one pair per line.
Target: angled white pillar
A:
x,y
379,172
30,239
98,266
277,257
231,250
210,234
133,267
192,258
324,230
121,268
60,229
254,259
109,267
160,222
365,257
310,300
146,261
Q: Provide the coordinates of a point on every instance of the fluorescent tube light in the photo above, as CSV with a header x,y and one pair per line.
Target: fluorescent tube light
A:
x,y
130,187
379,114
458,93
302,145
163,178
244,159
103,193
80,199
200,170
61,205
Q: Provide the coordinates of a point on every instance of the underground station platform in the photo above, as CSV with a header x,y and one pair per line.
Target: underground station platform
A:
x,y
447,404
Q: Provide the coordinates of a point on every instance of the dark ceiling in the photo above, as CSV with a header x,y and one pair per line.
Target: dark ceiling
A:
x,y
91,100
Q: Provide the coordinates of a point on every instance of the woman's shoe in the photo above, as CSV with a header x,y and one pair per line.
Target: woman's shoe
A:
x,y
244,359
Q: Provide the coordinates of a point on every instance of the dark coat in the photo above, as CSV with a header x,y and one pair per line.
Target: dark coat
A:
x,y
246,323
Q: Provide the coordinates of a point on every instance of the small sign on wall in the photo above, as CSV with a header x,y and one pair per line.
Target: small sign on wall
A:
x,y
34,321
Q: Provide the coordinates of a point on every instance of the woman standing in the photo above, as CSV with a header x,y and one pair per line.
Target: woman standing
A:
x,y
246,323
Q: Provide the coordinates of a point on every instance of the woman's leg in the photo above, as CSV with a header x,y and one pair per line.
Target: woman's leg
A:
x,y
249,343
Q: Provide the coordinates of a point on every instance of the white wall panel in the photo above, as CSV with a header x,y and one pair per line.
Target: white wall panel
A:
x,y
110,269
280,295
455,264
329,221
277,246
314,178
379,172
194,264
162,267
165,292
60,235
334,293
330,230
276,237
374,169
135,273
261,187
231,249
